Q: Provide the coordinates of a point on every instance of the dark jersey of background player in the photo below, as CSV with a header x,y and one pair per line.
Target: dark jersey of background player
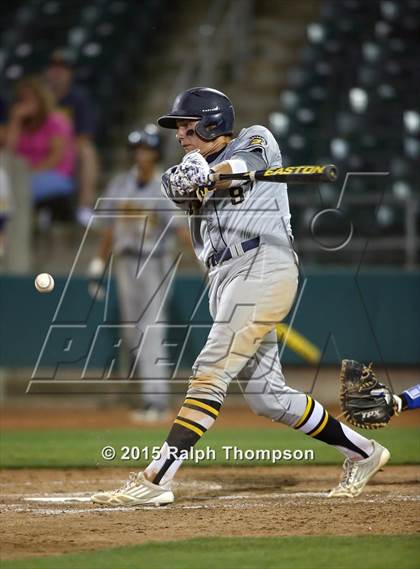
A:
x,y
73,99
77,105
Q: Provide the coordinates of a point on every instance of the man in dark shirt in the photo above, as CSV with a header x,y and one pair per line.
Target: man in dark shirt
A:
x,y
75,102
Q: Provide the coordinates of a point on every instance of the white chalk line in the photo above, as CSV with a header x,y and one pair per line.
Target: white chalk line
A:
x,y
58,482
85,497
58,499
17,508
38,495
230,502
179,484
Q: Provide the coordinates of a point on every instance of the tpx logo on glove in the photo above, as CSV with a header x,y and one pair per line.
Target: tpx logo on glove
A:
x,y
373,414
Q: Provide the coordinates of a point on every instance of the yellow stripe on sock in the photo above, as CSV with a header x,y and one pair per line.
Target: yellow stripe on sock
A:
x,y
191,427
321,426
308,406
202,405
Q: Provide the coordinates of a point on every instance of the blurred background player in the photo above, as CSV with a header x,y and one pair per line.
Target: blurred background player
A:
x,y
5,190
5,206
131,237
74,101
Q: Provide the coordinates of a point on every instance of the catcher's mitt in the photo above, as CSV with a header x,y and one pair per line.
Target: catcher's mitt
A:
x,y
365,401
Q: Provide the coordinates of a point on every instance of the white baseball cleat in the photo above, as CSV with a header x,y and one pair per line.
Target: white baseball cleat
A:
x,y
136,491
358,473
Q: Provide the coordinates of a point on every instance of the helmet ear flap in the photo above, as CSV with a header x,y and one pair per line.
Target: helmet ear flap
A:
x,y
208,127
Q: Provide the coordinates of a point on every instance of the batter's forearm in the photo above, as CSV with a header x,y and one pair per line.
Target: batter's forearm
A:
x,y
105,245
184,237
228,167
222,168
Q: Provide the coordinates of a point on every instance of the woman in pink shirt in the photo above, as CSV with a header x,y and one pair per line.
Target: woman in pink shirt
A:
x,y
44,137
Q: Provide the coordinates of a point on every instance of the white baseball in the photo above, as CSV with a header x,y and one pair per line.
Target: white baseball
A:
x,y
44,282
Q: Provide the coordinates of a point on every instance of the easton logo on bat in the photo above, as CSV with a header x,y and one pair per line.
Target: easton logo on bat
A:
x,y
295,170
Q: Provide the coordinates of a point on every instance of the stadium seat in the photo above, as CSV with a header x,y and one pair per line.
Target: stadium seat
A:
x,y
91,29
353,100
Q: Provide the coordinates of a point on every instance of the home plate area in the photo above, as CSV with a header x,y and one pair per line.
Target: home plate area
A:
x,y
38,507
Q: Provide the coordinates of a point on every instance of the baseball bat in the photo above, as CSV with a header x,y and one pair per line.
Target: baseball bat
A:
x,y
288,174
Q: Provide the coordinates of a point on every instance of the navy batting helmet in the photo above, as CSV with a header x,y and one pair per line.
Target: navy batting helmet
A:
x,y
148,136
212,109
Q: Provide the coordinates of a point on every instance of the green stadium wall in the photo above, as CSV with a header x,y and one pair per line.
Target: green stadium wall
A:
x,y
374,316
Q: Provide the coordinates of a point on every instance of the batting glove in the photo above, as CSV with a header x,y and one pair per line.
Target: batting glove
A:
x,y
179,182
196,168
83,215
193,172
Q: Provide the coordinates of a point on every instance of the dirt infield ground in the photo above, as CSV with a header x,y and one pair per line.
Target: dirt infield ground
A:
x,y
39,514
213,501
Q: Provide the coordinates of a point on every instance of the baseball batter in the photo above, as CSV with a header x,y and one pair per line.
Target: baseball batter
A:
x,y
133,232
241,232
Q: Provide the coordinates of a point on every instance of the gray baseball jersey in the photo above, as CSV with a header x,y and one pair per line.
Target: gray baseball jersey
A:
x,y
142,214
247,210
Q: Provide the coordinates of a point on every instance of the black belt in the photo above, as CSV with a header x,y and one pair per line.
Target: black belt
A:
x,y
232,251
